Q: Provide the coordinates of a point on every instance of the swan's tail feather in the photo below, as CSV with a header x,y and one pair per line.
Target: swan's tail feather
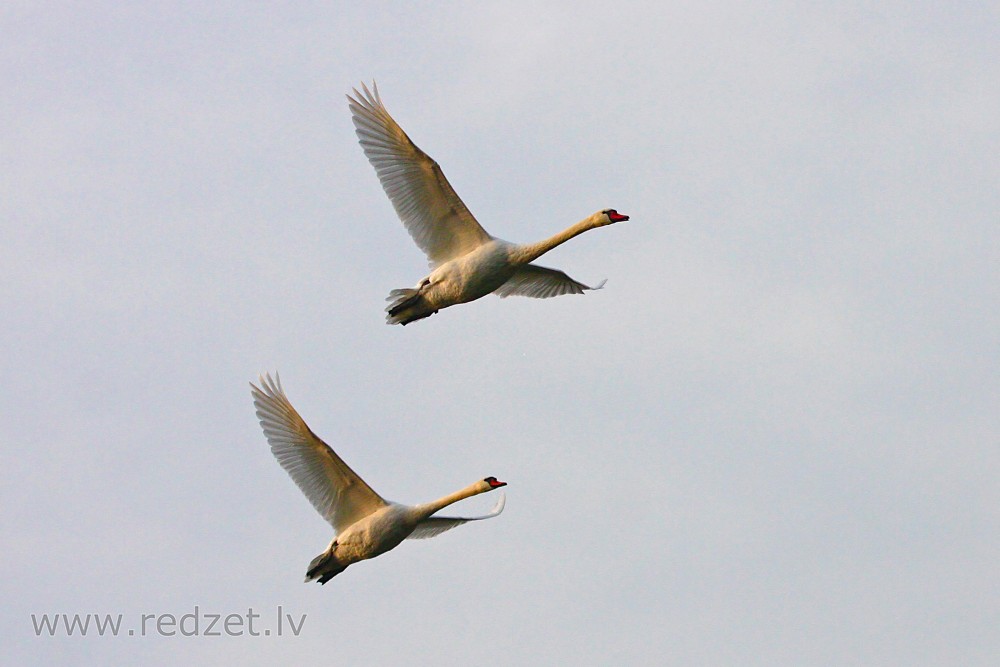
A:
x,y
324,567
401,294
407,305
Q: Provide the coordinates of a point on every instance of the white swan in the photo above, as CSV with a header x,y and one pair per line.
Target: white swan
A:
x,y
467,262
366,524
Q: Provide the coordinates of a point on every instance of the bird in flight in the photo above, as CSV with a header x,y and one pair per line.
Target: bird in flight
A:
x,y
467,263
366,524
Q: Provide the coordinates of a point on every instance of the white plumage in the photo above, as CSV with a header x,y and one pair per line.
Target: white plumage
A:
x,y
467,262
366,524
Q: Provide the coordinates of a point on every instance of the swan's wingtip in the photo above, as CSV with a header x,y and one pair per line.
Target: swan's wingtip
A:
x,y
500,504
268,385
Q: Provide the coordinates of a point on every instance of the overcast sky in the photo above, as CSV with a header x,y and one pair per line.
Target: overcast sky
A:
x,y
774,438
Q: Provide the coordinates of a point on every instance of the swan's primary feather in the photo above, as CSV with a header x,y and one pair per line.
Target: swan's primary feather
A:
x,y
331,486
541,283
436,218
436,525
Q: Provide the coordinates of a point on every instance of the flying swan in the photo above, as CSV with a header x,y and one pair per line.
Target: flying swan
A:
x,y
467,263
366,525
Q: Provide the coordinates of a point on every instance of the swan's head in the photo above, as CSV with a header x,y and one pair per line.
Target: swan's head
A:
x,y
609,216
493,483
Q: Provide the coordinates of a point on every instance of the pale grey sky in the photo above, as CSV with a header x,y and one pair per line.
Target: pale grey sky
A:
x,y
774,438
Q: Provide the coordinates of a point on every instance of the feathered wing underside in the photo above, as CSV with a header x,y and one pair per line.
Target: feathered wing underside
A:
x,y
541,283
331,486
436,218
436,525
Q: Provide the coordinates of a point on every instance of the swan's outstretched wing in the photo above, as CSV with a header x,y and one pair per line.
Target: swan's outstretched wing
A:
x,y
331,486
436,525
541,283
424,200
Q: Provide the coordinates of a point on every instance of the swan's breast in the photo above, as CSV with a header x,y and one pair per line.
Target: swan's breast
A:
x,y
475,274
375,534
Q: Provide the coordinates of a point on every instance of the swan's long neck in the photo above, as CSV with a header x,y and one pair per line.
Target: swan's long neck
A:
x,y
430,508
531,251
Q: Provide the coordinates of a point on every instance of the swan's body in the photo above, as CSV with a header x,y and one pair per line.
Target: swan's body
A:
x,y
366,524
467,262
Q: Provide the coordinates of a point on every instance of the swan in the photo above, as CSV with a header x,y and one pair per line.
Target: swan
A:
x,y
467,263
366,525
